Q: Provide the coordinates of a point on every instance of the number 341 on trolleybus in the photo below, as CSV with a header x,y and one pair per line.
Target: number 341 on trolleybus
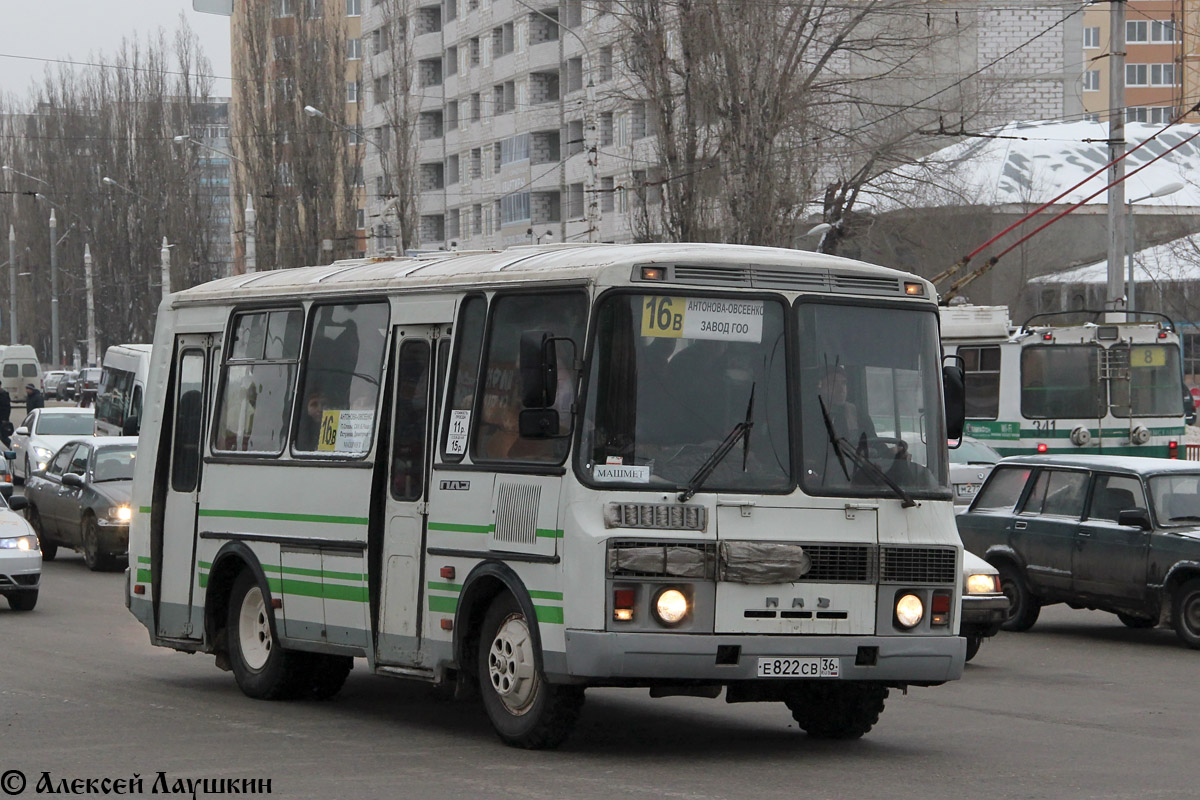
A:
x,y
692,468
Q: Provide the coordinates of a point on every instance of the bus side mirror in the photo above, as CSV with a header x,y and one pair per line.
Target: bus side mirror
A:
x,y
539,370
955,396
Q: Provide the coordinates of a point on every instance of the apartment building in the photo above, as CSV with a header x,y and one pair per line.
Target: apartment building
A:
x,y
1155,60
210,130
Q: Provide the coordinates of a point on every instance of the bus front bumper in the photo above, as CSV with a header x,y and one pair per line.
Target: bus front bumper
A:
x,y
646,658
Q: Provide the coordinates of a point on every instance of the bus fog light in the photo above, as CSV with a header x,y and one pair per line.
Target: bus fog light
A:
x,y
909,610
671,607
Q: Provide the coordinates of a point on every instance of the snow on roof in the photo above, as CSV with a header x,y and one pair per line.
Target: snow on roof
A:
x,y
1178,260
1043,160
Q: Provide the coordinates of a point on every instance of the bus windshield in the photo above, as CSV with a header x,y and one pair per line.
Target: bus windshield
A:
x,y
1154,386
870,401
671,378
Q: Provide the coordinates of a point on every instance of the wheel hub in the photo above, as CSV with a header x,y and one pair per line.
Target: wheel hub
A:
x,y
254,630
511,665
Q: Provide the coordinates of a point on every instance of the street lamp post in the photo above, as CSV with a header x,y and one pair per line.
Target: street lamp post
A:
x,y
54,289
91,306
12,285
1130,242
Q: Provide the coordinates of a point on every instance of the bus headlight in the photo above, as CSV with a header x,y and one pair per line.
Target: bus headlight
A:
x,y
909,610
671,607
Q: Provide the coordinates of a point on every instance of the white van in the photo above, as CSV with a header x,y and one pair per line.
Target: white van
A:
x,y
18,367
122,387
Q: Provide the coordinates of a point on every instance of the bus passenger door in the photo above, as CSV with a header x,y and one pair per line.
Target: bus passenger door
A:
x,y
399,562
192,377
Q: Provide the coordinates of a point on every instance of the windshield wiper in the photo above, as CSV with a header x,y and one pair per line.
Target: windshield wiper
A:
x,y
840,446
1186,518
740,430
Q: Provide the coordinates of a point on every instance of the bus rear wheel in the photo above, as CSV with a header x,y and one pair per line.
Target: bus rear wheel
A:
x,y
263,669
525,709
836,710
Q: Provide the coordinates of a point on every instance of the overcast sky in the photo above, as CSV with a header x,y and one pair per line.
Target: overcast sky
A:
x,y
74,29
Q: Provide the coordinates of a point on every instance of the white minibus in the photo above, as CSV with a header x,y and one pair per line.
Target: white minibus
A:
x,y
122,389
696,468
19,366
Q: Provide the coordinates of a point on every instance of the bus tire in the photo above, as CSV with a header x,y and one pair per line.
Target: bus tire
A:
x,y
263,669
830,710
524,708
326,675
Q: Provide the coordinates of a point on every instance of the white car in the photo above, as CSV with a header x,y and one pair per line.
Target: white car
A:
x,y
20,558
43,432
984,605
970,464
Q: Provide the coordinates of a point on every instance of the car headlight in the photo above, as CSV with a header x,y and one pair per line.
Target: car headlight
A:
x,y
671,607
120,513
983,583
909,610
19,543
42,456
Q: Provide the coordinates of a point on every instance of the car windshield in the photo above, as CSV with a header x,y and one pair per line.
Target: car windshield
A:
x,y
51,424
671,378
973,453
870,400
1176,498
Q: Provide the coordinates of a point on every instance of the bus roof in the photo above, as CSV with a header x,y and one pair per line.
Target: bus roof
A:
x,y
734,266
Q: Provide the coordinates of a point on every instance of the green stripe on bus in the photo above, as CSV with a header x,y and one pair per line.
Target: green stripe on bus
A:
x,y
445,587
143,576
547,533
443,605
203,580
1109,433
316,573
457,528
328,591
275,515
552,614
144,509
539,595
143,560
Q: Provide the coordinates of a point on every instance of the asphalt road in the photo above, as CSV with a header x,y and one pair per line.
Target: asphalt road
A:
x,y
1077,707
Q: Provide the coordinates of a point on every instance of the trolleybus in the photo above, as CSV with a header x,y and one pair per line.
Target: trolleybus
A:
x,y
693,468
1084,388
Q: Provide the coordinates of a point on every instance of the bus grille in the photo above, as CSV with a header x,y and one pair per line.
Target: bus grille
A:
x,y
655,515
796,278
918,565
839,563
634,559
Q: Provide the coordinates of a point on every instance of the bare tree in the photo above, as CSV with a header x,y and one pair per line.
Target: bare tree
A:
x,y
304,173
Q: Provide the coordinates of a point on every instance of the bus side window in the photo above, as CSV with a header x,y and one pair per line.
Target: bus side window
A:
x,y
342,370
255,402
468,345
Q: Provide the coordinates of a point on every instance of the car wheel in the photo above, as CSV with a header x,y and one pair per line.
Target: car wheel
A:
x,y
973,645
1185,613
263,669
524,708
49,549
1131,621
1023,607
832,710
23,601
90,542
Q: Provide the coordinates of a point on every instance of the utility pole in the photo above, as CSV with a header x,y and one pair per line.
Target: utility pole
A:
x,y
1116,149
251,244
54,290
165,255
91,305
12,285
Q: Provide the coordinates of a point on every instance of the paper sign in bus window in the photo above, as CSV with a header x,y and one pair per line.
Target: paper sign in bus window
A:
x,y
621,473
1154,356
344,431
456,437
719,318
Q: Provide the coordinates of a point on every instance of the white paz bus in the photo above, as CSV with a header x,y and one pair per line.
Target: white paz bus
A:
x,y
692,468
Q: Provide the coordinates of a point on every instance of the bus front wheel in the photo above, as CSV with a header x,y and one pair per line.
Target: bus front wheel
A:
x,y
525,709
264,670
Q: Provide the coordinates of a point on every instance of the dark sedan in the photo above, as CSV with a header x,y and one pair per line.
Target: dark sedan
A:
x,y
1114,533
82,500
